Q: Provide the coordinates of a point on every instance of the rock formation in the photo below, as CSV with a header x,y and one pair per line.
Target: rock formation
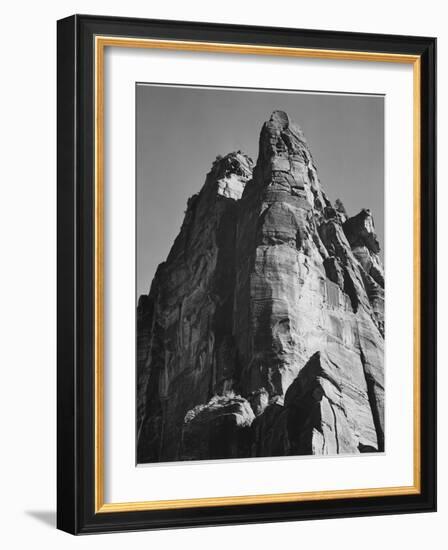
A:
x,y
263,331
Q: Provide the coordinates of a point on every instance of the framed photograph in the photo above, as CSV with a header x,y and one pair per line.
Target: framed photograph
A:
x,y
246,274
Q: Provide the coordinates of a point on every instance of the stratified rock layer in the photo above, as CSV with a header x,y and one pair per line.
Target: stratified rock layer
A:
x,y
262,334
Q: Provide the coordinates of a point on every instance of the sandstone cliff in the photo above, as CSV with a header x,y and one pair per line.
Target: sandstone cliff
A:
x,y
263,332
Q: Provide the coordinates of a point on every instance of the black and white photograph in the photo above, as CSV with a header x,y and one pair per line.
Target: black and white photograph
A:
x,y
259,273
222,240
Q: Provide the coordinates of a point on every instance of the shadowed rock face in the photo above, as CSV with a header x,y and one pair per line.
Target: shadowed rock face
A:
x,y
262,333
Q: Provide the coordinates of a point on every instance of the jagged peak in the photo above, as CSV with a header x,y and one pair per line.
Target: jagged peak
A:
x,y
231,173
282,121
236,162
339,206
280,118
227,178
285,163
360,231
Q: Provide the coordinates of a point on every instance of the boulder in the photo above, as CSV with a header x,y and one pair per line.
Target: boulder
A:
x,y
217,429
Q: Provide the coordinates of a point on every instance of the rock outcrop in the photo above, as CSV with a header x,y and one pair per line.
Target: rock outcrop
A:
x,y
263,332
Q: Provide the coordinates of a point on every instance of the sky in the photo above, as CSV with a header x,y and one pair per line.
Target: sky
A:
x,y
180,131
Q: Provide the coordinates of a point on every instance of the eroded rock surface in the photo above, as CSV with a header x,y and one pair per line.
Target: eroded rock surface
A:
x,y
263,332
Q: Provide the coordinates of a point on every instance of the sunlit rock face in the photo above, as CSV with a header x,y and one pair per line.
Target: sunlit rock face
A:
x,y
263,332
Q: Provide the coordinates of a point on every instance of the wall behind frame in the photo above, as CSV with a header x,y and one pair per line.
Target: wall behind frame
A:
x,y
27,277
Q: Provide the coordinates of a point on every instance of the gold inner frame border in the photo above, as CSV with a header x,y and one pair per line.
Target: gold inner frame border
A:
x,y
100,43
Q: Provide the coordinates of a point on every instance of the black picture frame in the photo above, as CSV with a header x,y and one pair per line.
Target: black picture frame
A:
x,y
76,511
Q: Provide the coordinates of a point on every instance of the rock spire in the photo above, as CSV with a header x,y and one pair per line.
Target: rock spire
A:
x,y
263,332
